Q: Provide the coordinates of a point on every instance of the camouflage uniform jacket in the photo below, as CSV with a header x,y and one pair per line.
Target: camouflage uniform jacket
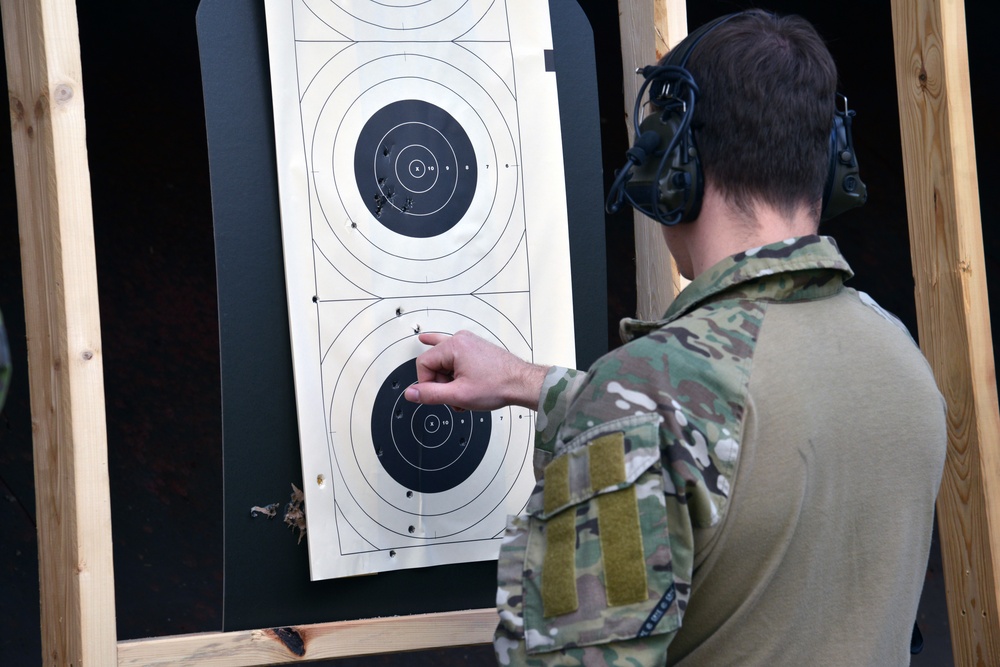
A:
x,y
633,458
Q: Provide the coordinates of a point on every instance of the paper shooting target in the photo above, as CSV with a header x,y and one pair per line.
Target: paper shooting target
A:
x,y
400,133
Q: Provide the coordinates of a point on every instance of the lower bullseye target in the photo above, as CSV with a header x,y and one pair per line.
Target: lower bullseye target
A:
x,y
426,448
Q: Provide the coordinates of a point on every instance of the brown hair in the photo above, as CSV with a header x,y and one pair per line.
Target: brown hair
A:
x,y
765,110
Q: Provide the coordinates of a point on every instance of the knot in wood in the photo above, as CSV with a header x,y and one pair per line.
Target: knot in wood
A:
x,y
63,93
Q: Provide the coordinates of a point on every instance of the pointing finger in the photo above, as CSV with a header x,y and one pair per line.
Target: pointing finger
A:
x,y
432,338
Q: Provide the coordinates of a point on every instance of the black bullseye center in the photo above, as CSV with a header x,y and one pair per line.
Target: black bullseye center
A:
x,y
415,168
432,430
426,448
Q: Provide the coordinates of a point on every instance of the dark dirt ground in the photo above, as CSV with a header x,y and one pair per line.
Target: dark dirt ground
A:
x,y
156,271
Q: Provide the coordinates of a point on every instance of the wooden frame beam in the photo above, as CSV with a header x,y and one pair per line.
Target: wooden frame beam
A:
x,y
942,194
66,375
313,642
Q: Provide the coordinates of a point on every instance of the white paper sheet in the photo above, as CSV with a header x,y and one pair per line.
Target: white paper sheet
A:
x,y
421,181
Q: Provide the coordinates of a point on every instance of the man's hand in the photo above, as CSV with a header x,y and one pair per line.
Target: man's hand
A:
x,y
465,371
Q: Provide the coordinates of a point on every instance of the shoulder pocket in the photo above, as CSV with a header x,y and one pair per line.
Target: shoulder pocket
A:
x,y
597,566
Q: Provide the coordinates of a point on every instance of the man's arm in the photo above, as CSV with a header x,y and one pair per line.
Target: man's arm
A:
x,y
465,371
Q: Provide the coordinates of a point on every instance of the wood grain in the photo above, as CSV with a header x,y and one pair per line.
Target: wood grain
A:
x,y
313,642
63,327
935,108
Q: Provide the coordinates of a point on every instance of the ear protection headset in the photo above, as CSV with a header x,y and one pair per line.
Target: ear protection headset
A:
x,y
663,177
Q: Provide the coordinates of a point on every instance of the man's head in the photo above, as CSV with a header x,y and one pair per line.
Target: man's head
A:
x,y
765,111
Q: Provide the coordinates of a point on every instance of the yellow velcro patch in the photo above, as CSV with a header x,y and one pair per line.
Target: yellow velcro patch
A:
x,y
607,461
556,489
621,547
559,566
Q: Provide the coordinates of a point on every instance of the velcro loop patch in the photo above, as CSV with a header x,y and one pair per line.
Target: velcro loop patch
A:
x,y
621,547
607,461
559,594
556,489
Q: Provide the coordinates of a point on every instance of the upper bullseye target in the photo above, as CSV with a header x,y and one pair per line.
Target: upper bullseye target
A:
x,y
415,170
418,176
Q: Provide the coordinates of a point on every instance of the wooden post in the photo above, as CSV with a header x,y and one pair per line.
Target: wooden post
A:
x,y
935,108
648,29
64,334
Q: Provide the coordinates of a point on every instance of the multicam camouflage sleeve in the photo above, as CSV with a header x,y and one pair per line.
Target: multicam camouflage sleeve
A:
x,y
597,528
560,388
638,454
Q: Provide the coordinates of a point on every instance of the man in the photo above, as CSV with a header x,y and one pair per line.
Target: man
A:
x,y
751,479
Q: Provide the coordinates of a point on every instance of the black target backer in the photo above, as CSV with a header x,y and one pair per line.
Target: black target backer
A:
x,y
426,448
415,168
